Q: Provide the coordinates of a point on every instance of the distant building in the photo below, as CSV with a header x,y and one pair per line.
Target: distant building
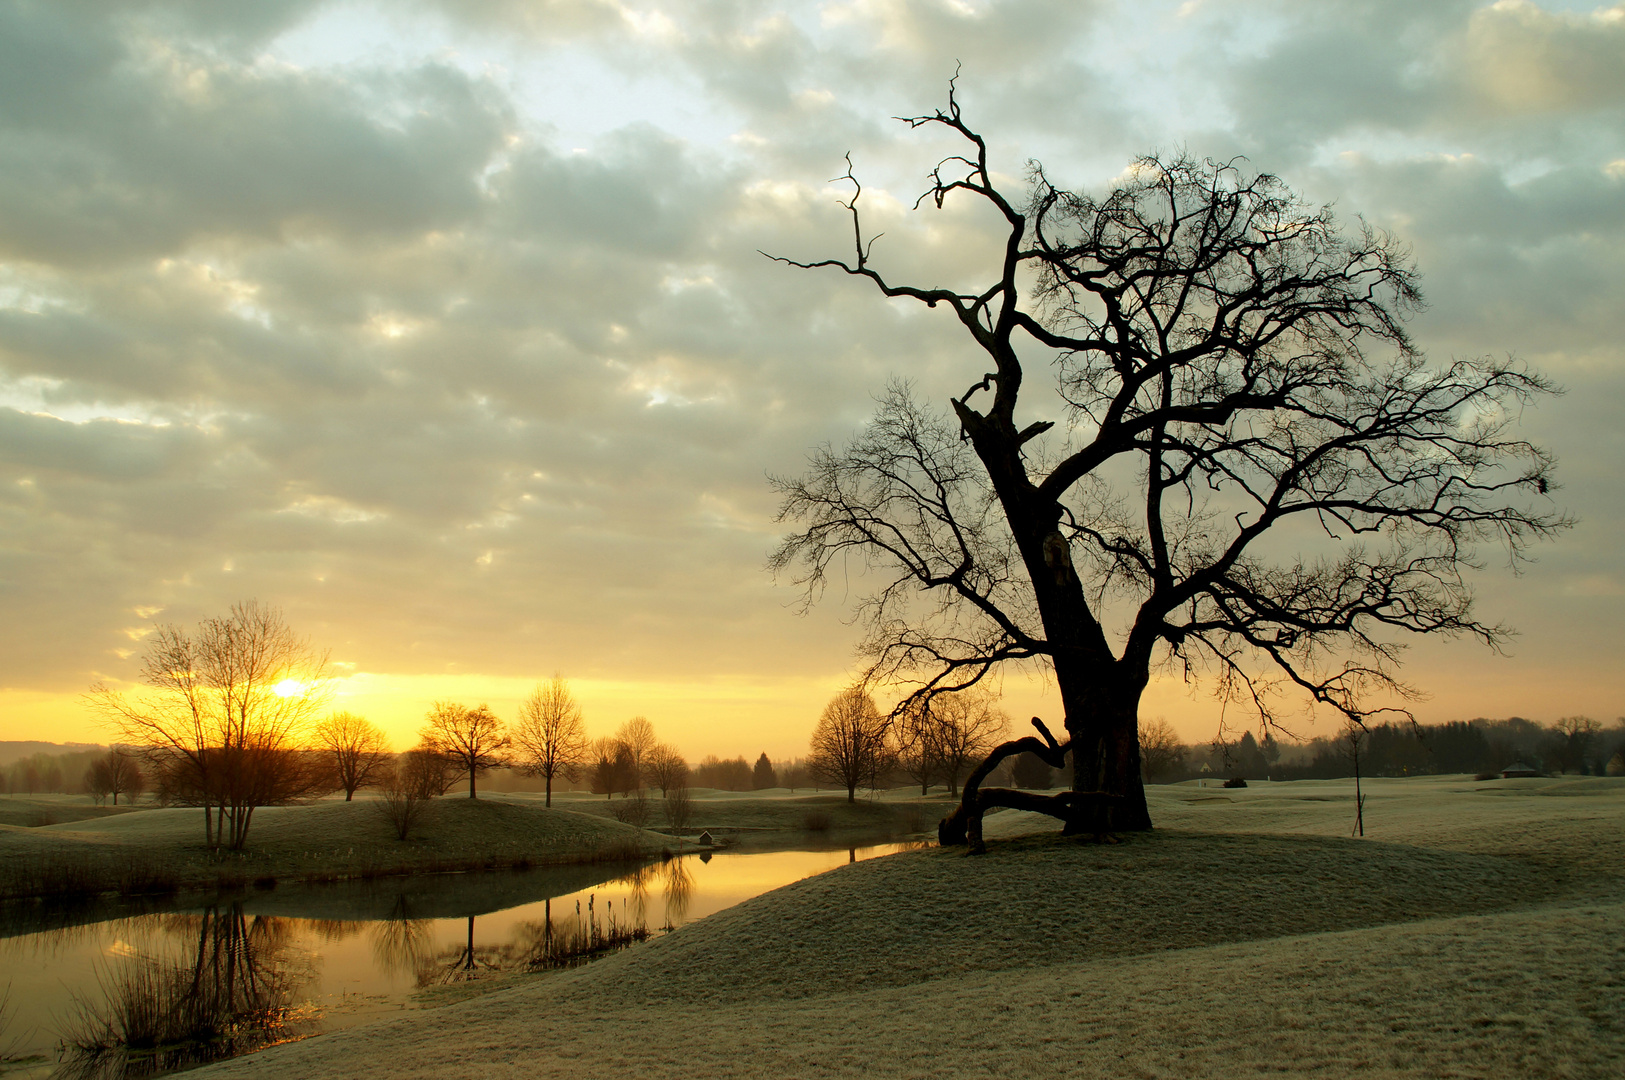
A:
x,y
1518,770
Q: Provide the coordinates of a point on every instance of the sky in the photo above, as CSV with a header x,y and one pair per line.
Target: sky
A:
x,y
445,328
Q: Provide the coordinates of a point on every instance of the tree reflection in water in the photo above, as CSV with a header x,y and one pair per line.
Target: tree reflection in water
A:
x,y
403,945
464,962
637,887
232,992
678,889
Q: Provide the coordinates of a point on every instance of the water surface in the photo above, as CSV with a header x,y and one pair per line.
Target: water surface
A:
x,y
266,966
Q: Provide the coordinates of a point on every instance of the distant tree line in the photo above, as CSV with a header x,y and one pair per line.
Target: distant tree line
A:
x,y
43,772
1572,745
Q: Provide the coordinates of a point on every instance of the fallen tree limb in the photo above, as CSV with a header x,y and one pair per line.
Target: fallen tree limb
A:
x,y
964,825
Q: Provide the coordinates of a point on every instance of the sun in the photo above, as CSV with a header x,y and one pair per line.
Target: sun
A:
x,y
289,688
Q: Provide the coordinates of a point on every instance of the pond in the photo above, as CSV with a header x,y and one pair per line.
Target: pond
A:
x,y
139,994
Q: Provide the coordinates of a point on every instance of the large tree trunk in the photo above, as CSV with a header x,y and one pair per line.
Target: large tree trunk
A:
x,y
1103,722
1101,694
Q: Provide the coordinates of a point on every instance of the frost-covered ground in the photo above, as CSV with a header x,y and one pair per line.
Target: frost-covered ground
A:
x,y
1477,930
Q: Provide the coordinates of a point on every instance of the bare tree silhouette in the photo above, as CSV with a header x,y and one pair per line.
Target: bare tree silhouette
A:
x,y
850,745
359,750
228,706
550,739
473,738
1255,473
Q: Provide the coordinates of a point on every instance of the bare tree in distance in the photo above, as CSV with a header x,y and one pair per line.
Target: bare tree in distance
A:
x,y
359,751
849,744
679,806
1571,743
638,736
430,769
1161,752
550,739
227,708
1254,473
667,769
116,773
428,772
966,727
795,774
732,774
473,738
919,753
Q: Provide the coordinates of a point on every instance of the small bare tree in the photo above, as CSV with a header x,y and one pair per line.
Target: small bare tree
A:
x,y
408,784
116,773
667,769
633,810
1161,752
473,738
918,753
358,751
550,739
849,745
966,727
679,806
433,771
1354,736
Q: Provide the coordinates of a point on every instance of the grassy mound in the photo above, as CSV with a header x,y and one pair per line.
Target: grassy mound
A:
x,y
329,840
746,812
35,813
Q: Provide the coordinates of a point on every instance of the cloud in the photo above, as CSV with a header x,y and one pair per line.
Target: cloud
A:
x,y
1520,58
471,368
118,147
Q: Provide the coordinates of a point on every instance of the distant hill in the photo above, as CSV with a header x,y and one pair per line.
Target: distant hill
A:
x,y
16,751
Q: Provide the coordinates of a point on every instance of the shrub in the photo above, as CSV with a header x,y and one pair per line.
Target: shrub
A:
x,y
679,807
407,789
633,810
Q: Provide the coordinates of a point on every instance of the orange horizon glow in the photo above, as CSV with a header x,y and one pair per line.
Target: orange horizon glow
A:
x,y
730,716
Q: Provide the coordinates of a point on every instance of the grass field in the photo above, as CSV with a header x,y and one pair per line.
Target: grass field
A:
x,y
1478,930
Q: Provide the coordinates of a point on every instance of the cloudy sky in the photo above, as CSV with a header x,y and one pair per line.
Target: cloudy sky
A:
x,y
444,327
